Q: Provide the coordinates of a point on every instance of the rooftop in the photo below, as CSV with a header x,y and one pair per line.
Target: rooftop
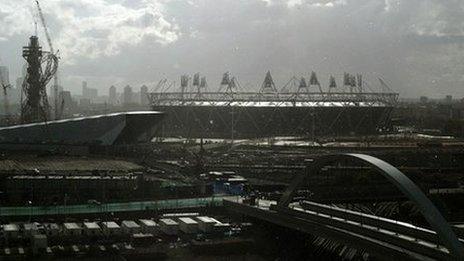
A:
x,y
129,224
187,220
71,226
110,225
207,219
148,222
91,225
10,228
168,221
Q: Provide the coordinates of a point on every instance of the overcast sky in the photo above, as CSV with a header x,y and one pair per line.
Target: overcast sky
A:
x,y
415,45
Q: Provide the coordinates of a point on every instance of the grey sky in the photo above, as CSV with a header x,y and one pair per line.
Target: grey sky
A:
x,y
416,45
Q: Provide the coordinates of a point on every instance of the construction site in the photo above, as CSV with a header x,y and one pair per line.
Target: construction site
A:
x,y
305,171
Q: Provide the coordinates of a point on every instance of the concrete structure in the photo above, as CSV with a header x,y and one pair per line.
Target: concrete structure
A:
x,y
383,238
92,229
110,228
168,226
72,229
149,226
11,231
39,242
188,225
222,227
400,181
115,128
130,227
206,224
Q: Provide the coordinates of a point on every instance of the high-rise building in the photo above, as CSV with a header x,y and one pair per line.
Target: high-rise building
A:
x,y
112,96
89,93
127,95
144,95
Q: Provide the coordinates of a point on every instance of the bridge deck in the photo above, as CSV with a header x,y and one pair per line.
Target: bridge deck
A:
x,y
378,241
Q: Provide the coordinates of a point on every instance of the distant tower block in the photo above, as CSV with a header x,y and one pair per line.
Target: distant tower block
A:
x,y
127,95
268,85
112,95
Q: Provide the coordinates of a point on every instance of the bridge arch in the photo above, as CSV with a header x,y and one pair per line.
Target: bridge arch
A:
x,y
402,182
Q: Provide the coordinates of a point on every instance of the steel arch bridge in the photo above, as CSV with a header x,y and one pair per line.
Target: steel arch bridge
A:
x,y
397,178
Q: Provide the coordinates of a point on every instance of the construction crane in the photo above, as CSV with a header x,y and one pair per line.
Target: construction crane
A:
x,y
52,51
